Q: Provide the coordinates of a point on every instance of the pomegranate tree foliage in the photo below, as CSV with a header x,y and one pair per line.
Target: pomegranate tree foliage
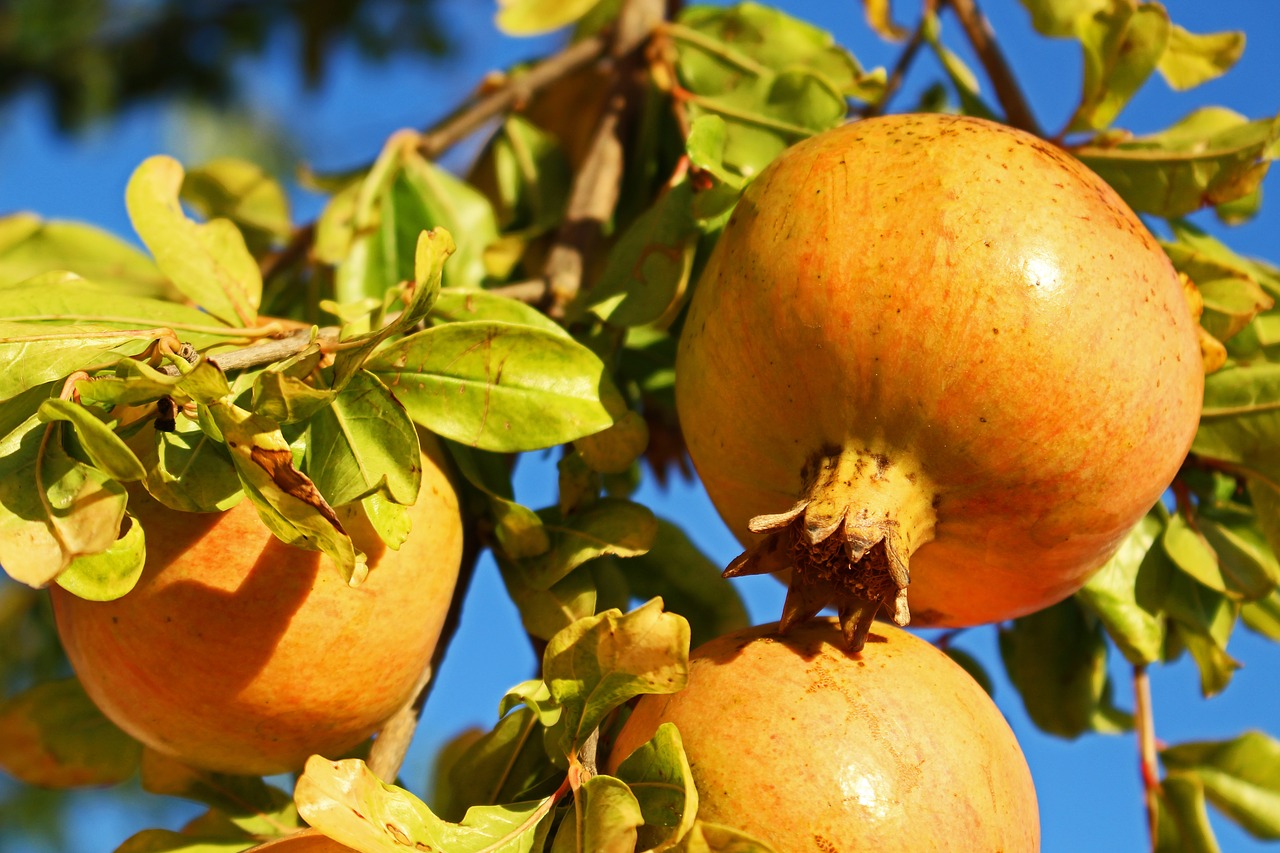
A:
x,y
533,303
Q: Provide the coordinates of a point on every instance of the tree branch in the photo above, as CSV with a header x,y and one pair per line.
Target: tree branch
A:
x,y
978,29
598,183
515,89
1144,724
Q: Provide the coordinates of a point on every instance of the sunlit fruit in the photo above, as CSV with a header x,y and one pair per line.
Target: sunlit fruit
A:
x,y
802,744
937,350
238,653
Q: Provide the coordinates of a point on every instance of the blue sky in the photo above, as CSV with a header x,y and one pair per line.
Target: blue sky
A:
x,y
1089,789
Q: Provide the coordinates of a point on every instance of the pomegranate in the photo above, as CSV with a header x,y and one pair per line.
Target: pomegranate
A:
x,y
808,747
934,349
238,653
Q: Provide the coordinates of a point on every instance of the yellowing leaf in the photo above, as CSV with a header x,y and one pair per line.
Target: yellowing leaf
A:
x,y
1193,59
209,263
345,801
531,17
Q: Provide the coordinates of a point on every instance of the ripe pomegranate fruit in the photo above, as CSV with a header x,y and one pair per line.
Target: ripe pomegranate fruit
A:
x,y
238,653
937,349
808,747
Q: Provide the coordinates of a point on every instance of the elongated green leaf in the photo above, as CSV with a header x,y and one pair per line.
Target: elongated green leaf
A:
x,y
1202,621
209,263
648,269
505,765
605,819
1263,616
545,611
1241,777
611,526
52,735
963,80
1246,561
363,442
106,449
349,804
110,574
30,246
242,192
1123,43
535,695
458,306
597,663
1193,59
1057,659
659,776
190,471
714,838
1126,593
1208,158
530,175
518,529
531,17
168,841
248,801
1183,819
498,386
1058,17
688,581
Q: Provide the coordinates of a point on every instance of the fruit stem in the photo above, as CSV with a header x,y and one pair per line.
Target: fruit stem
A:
x,y
848,540
1144,724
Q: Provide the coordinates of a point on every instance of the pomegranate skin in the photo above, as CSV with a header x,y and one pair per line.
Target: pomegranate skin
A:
x,y
240,654
798,743
982,350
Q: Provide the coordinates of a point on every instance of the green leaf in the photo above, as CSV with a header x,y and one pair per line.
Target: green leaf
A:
x,y
705,145
532,17
281,392
648,268
610,526
1193,59
53,736
188,470
167,841
346,802
1208,158
209,263
598,663
1057,659
130,382
615,450
688,581
1263,616
1241,777
1246,561
531,176
962,78
1058,17
104,448
535,695
1127,592
53,508
659,776
1233,295
242,192
1183,820
772,78
244,803
518,529
545,611
605,820
363,442
1123,42
110,574
498,386
714,838
30,246
973,666
505,765
459,306
1202,621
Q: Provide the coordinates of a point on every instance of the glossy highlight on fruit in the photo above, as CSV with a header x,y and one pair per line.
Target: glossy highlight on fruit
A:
x,y
241,654
938,351
802,744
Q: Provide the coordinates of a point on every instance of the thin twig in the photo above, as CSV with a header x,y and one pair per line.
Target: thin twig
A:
x,y
1144,723
978,29
515,89
598,182
905,59
392,744
296,249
